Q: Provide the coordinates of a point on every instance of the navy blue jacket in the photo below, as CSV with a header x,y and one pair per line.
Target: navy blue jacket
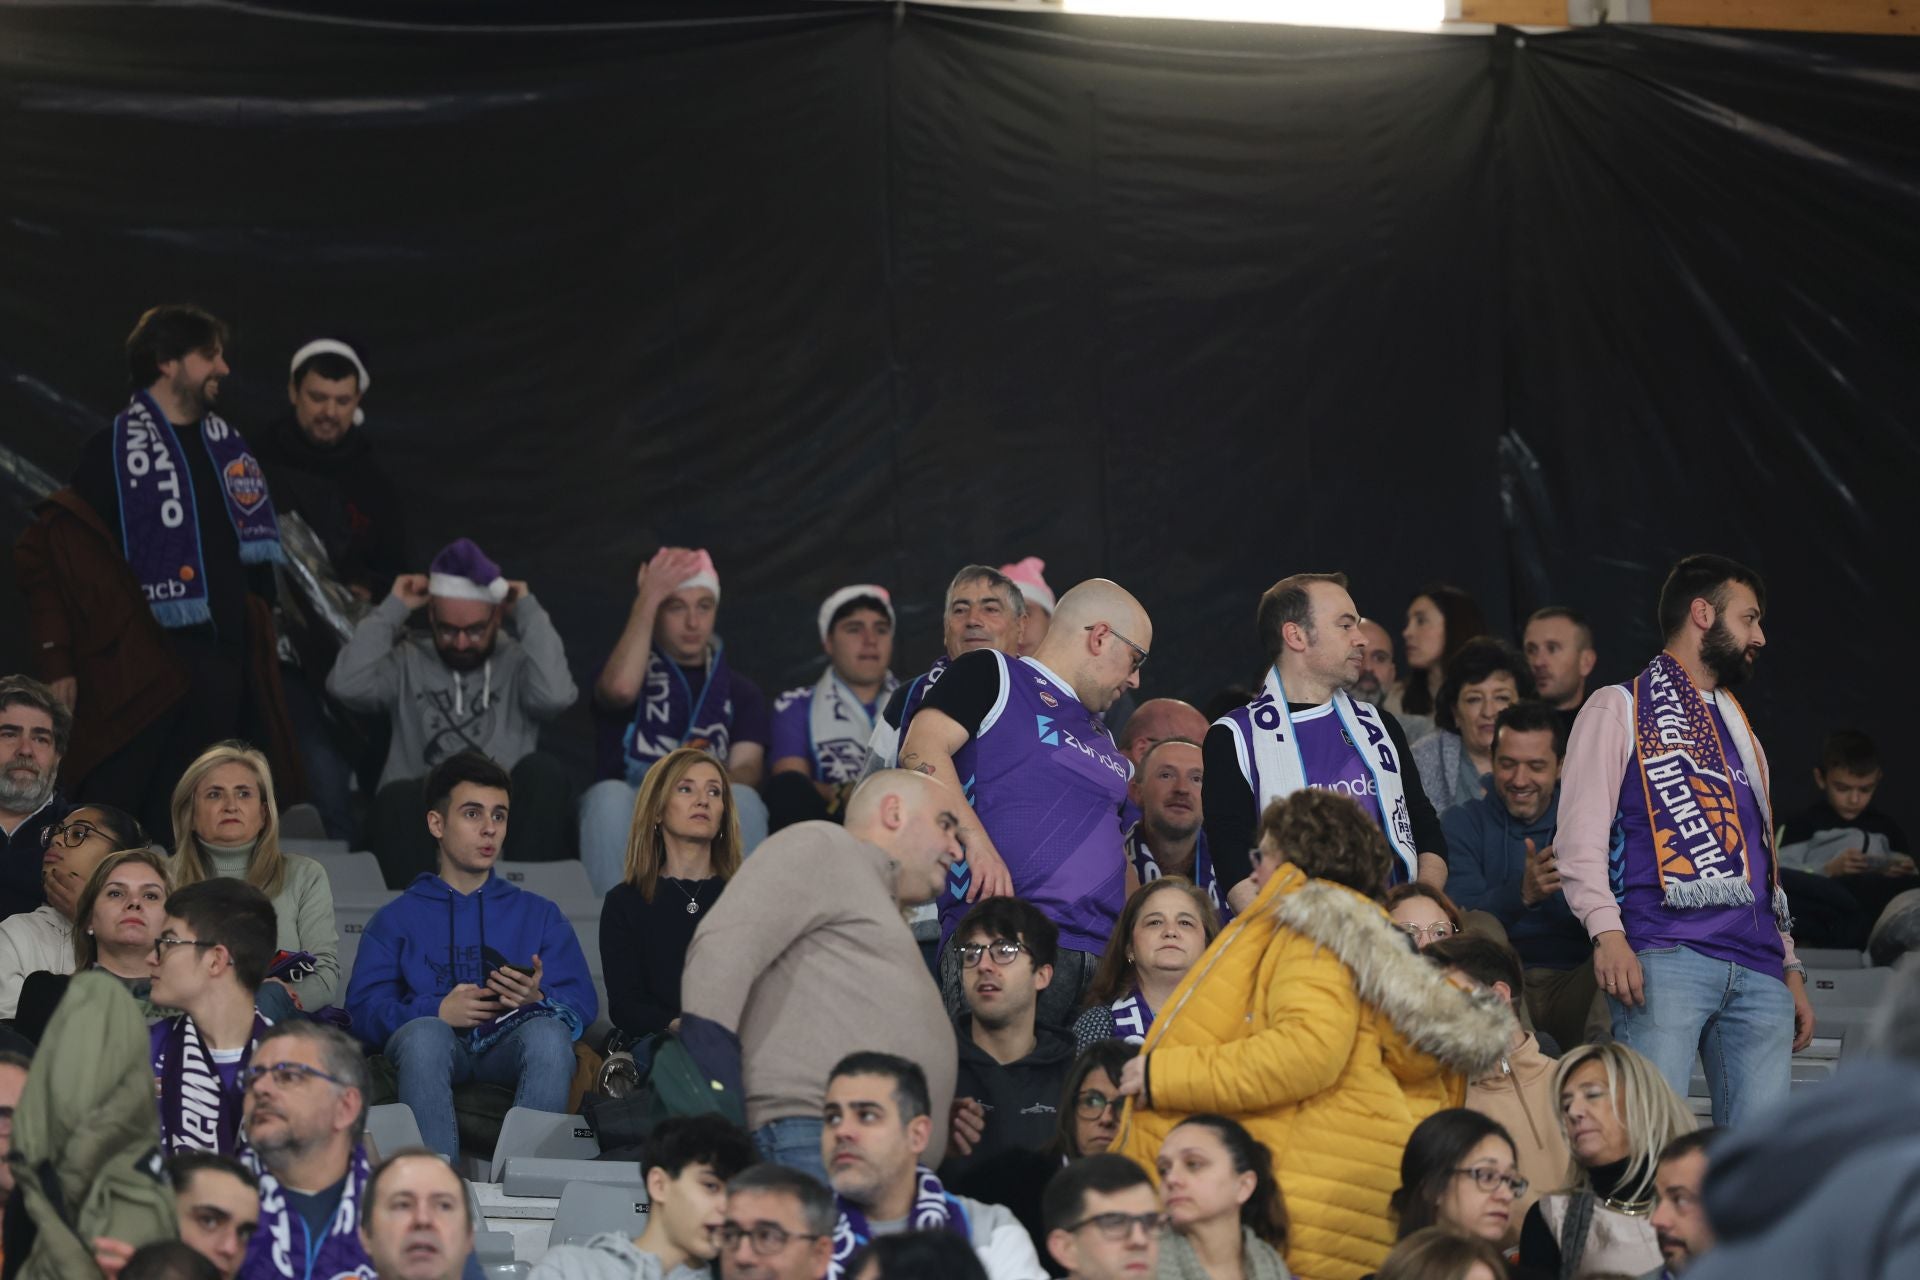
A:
x,y
1486,861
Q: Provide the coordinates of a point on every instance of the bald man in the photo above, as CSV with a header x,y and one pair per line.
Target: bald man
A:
x,y
806,956
1153,722
1024,739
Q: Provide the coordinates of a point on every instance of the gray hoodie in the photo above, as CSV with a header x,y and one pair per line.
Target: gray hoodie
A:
x,y
611,1255
1826,1187
437,711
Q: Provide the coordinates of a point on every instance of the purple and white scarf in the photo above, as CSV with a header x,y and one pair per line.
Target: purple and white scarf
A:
x,y
839,727
273,1251
1148,869
1700,847
668,716
933,1210
1132,1018
198,1110
159,511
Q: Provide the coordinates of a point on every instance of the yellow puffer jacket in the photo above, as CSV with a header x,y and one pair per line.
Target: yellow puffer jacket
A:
x,y
1313,1022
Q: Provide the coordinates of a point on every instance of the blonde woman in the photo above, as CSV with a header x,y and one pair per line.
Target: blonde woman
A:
x,y
116,918
225,823
1618,1114
682,848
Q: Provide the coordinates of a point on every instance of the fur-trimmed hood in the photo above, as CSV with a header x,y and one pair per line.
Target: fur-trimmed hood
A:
x,y
1467,1033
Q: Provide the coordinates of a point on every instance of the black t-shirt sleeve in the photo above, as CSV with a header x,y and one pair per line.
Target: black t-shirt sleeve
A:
x,y
1539,1251
1227,803
968,690
1427,834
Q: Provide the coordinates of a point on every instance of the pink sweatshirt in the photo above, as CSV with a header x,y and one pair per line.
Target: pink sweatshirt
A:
x,y
1599,753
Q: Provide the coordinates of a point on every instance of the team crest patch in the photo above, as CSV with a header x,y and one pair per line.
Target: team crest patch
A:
x,y
245,484
1048,698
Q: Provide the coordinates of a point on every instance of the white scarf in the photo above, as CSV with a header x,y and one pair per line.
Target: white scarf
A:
x,y
839,727
1276,758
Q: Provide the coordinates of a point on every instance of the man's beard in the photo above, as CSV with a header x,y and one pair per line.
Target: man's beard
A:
x,y
20,796
464,660
1724,656
1368,689
1163,829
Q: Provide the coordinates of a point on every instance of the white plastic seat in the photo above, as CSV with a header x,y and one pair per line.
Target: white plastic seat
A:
x,y
589,1208
547,1134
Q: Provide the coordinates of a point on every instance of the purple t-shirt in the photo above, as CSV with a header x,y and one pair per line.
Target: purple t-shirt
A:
x,y
1749,935
1047,783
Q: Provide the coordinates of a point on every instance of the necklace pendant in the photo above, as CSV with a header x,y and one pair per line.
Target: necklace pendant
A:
x,y
693,908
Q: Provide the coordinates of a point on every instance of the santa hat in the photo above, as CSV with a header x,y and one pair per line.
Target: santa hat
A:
x,y
462,572
704,575
1026,576
335,347
863,591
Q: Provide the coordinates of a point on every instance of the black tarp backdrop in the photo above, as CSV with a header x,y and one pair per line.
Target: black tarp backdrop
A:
x,y
865,291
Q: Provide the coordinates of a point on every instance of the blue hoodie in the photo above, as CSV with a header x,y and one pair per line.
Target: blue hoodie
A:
x,y
430,939
1486,862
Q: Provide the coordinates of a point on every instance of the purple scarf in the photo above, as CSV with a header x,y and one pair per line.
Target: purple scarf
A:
x,y
159,512
1148,870
933,1210
198,1110
1132,1019
668,716
1700,849
282,1248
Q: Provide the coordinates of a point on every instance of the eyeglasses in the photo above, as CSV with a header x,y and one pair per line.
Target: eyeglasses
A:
x,y
474,634
1118,1226
1439,931
1003,952
1139,654
285,1075
1487,1178
1093,1104
767,1238
166,941
71,835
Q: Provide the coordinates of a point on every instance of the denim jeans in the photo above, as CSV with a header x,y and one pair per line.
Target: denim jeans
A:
x,y
535,1059
793,1142
1739,1022
606,816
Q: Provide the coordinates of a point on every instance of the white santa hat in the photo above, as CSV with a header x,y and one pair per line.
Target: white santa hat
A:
x,y
704,575
335,347
863,591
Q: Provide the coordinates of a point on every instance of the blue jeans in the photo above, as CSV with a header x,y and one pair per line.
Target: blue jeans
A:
x,y
535,1059
1739,1022
795,1143
606,816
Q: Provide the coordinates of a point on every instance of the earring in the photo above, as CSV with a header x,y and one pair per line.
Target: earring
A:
x,y
1129,957
89,933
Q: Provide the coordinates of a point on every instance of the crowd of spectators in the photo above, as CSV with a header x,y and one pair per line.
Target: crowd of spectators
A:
x,y
1397,967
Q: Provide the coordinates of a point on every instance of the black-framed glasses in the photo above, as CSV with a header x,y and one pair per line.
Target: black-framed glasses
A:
x,y
767,1237
1488,1178
474,634
1091,1103
1139,654
166,942
1002,950
1118,1226
71,835
285,1075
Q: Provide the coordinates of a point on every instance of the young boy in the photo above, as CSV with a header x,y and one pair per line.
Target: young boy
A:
x,y
1860,856
689,1159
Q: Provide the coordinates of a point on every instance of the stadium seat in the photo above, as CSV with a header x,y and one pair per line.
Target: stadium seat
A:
x,y
354,877
564,883
1831,958
589,1208
392,1126
526,1132
538,1176
312,848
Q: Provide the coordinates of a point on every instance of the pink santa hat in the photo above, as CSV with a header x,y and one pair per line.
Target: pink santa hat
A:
x,y
704,575
1026,576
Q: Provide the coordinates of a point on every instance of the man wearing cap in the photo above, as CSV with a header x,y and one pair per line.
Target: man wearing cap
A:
x,y
321,466
820,731
1033,588
465,686
669,684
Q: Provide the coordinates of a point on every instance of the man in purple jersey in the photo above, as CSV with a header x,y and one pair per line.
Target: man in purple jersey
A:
x,y
1302,729
1666,853
1024,739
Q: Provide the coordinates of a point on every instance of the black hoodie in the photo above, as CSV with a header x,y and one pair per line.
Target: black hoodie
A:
x,y
340,491
1022,1099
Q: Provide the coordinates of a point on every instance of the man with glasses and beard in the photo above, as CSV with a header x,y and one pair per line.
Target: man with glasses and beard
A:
x,y
34,726
1666,853
489,672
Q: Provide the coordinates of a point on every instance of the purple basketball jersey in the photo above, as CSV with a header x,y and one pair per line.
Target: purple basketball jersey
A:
x,y
1047,783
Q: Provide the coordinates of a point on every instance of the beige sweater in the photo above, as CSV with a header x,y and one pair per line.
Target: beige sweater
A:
x,y
1519,1094
807,957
